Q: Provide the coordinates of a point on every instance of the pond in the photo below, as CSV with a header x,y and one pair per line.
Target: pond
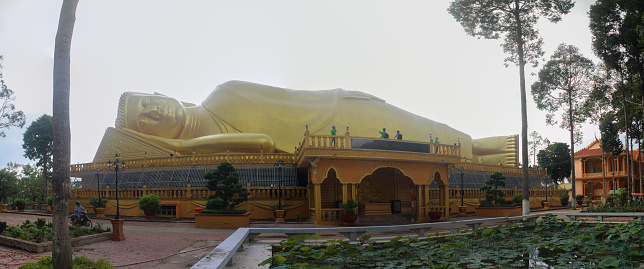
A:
x,y
547,243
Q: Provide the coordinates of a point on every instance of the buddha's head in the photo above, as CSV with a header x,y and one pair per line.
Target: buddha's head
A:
x,y
152,114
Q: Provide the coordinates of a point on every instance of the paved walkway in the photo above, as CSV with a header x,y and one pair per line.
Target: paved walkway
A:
x,y
173,244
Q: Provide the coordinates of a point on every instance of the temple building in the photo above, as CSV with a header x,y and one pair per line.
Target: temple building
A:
x,y
279,140
592,174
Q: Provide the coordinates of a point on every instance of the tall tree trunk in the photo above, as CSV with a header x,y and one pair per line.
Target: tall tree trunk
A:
x,y
525,179
604,173
628,180
62,249
44,180
572,151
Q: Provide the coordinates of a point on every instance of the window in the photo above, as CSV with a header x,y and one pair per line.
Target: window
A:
x,y
168,210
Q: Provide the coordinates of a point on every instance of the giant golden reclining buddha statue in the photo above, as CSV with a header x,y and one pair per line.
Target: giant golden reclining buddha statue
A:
x,y
246,117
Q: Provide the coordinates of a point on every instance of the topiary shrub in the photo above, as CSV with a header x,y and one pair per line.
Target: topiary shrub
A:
x,y
517,199
492,193
50,200
150,202
19,202
225,183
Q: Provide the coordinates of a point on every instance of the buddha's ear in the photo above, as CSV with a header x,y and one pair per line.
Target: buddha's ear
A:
x,y
186,104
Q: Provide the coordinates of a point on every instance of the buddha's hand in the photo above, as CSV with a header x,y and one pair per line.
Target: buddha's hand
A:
x,y
217,143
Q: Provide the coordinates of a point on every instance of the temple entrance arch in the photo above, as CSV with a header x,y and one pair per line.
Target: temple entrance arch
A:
x,y
331,190
436,196
385,191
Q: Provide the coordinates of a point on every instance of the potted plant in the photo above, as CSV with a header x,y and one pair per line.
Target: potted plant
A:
x,y
545,204
349,216
220,209
494,205
434,211
564,197
275,207
150,204
517,199
20,204
99,206
580,199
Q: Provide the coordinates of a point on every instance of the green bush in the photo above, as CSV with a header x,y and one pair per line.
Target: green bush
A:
x,y
19,202
224,181
98,202
350,207
564,197
217,204
517,199
3,226
81,262
13,231
579,197
150,202
50,200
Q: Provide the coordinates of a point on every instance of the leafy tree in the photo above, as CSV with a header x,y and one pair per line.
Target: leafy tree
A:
x,y
614,25
536,141
31,184
516,20
8,115
556,158
62,247
565,82
492,192
8,182
225,183
38,143
610,142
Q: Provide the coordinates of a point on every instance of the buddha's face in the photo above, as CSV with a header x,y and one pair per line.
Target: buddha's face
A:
x,y
155,115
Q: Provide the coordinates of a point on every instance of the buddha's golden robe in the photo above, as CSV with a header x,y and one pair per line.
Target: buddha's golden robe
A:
x,y
283,115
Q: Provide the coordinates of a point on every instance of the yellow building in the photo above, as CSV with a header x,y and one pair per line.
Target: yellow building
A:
x,y
592,174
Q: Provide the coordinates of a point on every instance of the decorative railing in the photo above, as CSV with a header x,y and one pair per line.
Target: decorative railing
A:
x,y
194,160
609,174
500,168
509,193
344,142
330,215
189,193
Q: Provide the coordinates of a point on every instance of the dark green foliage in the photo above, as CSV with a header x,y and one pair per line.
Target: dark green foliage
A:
x,y
225,183
9,116
150,202
214,211
101,202
350,207
492,193
19,202
217,204
610,142
516,199
555,158
81,262
549,242
564,197
564,83
49,200
3,226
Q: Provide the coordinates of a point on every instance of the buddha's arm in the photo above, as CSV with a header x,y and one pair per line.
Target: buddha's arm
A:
x,y
236,142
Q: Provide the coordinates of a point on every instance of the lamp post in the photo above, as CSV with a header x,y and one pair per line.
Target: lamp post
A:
x,y
98,182
116,175
117,222
279,213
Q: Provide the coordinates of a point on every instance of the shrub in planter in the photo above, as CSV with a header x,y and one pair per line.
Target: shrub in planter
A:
x,y
99,202
517,199
579,198
150,204
50,200
225,183
19,202
564,197
493,195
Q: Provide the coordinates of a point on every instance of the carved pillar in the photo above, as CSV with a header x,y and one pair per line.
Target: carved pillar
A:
x,y
345,195
318,202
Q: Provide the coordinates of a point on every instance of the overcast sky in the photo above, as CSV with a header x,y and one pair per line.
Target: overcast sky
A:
x,y
411,53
